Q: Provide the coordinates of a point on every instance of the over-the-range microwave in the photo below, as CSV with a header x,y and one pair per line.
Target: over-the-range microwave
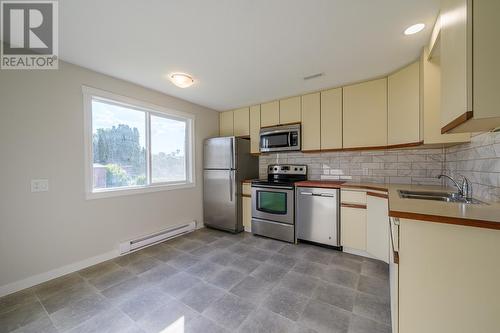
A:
x,y
280,138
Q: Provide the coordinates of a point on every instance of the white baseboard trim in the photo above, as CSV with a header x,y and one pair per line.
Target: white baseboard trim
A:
x,y
55,273
58,272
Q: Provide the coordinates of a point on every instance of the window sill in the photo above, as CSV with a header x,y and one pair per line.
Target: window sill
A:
x,y
118,192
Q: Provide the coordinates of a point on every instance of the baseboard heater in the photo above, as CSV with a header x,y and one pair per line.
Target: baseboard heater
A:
x,y
145,241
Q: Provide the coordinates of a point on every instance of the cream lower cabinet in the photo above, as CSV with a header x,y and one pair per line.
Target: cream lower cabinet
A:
x,y
226,123
365,223
377,226
448,278
353,219
353,227
394,273
246,202
254,129
365,114
247,213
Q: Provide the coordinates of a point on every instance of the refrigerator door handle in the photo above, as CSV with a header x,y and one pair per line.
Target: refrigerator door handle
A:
x,y
232,155
231,185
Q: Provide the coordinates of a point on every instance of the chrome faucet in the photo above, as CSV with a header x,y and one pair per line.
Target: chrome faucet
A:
x,y
464,189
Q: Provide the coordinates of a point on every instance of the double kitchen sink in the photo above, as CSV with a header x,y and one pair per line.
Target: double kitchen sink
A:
x,y
438,196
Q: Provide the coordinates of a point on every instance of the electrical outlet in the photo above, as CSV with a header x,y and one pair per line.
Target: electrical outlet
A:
x,y
39,185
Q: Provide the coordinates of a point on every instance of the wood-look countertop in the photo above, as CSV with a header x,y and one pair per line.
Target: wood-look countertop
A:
x,y
474,215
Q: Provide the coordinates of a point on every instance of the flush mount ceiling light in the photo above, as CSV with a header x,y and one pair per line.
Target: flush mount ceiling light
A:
x,y
181,80
414,29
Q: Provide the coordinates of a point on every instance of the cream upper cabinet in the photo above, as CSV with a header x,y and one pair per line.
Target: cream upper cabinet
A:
x,y
430,102
254,129
226,123
242,122
331,119
290,110
470,70
270,114
311,122
448,274
403,106
456,60
365,114
377,227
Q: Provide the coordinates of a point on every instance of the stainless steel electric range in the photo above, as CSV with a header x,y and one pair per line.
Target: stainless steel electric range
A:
x,y
273,202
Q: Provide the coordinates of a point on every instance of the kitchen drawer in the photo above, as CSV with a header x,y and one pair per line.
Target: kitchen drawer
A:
x,y
246,189
355,197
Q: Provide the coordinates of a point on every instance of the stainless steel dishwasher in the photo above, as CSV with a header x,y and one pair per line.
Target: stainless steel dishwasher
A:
x,y
317,213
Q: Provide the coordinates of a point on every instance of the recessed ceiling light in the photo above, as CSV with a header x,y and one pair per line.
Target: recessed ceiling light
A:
x,y
181,80
414,29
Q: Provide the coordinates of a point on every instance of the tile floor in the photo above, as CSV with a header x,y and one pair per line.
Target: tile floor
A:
x,y
211,281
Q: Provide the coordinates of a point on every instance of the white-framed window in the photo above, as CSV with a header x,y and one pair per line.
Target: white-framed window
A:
x,y
135,147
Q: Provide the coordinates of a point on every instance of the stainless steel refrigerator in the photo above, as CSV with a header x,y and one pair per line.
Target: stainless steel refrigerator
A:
x,y
226,163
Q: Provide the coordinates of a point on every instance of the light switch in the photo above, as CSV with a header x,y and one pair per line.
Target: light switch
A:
x,y
39,185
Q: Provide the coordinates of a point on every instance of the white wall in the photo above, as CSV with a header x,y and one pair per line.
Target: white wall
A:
x,y
41,136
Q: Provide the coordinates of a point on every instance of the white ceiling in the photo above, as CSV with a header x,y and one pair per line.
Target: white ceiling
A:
x,y
242,52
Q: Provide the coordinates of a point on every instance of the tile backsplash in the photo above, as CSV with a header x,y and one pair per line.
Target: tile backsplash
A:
x,y
479,161
415,166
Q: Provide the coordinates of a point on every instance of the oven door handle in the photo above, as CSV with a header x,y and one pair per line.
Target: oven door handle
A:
x,y
275,187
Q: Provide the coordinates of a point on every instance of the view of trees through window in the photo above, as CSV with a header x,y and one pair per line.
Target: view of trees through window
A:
x,y
167,149
119,147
